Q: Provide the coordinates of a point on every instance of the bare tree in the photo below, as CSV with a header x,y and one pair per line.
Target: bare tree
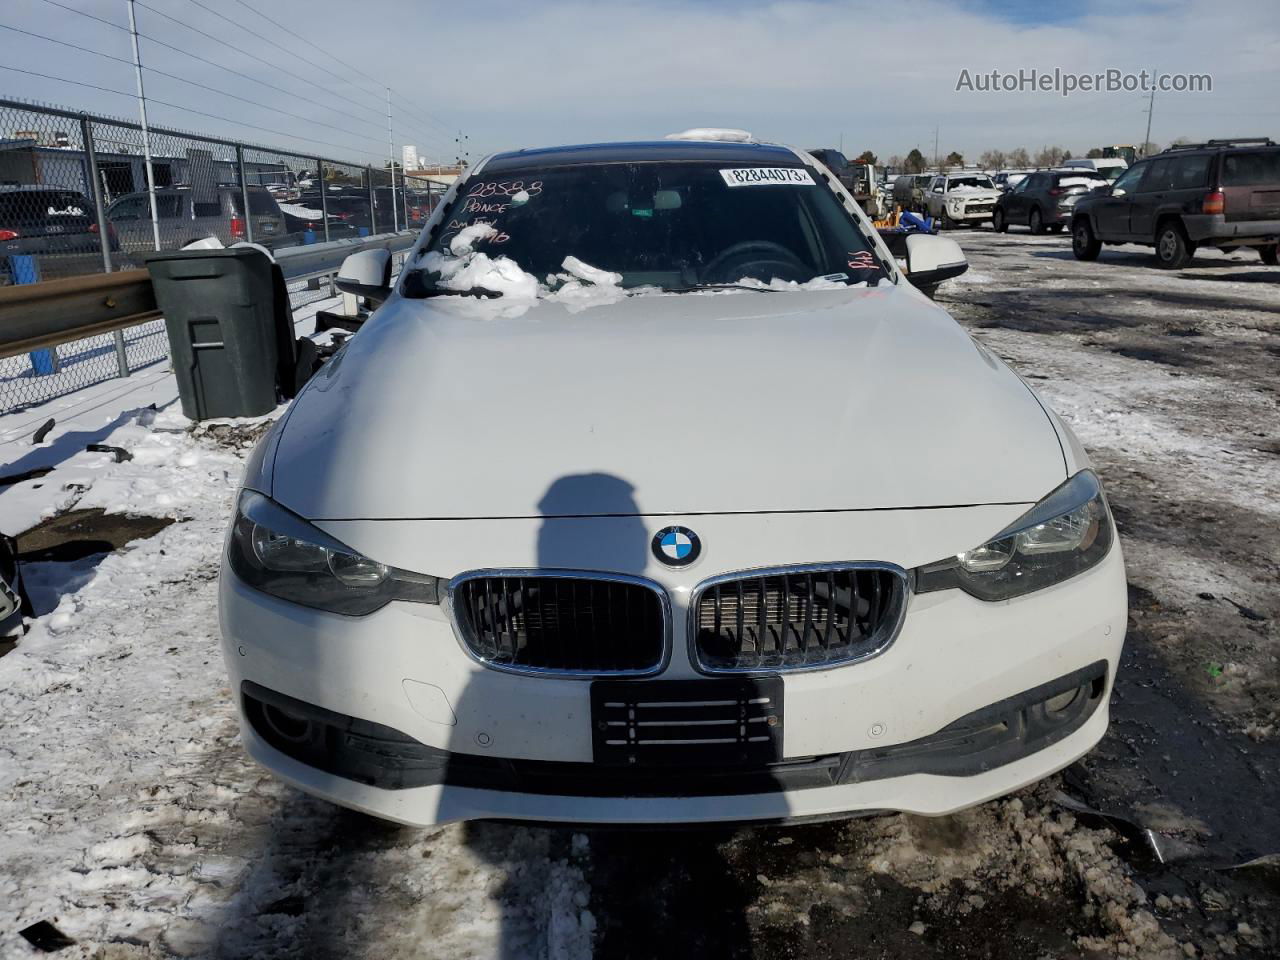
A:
x,y
1094,153
1149,148
993,159
1050,156
1019,157
896,162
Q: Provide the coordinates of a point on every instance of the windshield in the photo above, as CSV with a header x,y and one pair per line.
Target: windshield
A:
x,y
670,225
982,183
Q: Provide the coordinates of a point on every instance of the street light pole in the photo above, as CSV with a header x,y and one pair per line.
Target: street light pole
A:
x,y
391,152
146,132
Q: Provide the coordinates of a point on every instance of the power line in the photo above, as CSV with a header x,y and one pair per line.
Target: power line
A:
x,y
240,26
220,66
109,23
280,26
194,83
241,51
178,106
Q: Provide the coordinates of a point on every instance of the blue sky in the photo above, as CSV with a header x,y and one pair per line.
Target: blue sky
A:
x,y
811,72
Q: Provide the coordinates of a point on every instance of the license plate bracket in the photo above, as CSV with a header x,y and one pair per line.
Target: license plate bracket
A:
x,y
664,723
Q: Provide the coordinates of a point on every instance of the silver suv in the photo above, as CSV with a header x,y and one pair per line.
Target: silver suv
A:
x,y
184,218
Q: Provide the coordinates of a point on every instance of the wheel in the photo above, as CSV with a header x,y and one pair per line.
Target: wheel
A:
x,y
998,222
1268,254
1173,250
1083,243
945,222
1036,222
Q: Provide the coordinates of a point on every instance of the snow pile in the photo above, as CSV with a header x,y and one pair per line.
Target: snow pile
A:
x,y
791,286
468,269
130,816
1023,844
583,271
968,190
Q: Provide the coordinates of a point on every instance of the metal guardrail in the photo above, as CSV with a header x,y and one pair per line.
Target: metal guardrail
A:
x,y
40,315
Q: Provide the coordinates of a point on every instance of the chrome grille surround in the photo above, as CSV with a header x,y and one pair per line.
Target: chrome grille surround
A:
x,y
462,629
888,620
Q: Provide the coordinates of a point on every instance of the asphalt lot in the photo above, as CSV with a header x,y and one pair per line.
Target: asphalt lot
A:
x,y
145,832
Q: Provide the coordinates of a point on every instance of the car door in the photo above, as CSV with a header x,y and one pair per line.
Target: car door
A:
x,y
934,198
1111,215
130,217
1015,204
1187,181
1151,199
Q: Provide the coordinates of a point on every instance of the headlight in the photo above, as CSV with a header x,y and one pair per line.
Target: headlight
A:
x,y
1066,533
279,553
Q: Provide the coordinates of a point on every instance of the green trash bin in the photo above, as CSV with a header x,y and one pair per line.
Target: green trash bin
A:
x,y
220,309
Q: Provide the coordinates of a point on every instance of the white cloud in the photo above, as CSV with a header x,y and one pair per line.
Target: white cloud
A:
x,y
804,71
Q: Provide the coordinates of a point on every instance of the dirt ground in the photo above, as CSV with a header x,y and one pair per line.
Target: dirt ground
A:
x,y
1172,382
1155,845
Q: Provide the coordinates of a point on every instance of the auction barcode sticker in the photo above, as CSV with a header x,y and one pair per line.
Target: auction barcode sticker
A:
x,y
763,176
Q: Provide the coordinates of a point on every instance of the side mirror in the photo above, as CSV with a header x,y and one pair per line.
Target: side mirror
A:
x,y
366,274
932,259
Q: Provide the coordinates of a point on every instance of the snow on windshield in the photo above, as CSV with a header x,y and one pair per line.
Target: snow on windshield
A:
x,y
970,185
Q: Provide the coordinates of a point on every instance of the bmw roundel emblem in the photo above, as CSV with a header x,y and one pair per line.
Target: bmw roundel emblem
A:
x,y
676,546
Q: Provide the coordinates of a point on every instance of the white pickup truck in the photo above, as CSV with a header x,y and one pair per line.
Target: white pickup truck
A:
x,y
961,198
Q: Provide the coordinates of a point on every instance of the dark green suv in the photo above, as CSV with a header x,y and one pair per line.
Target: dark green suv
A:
x,y
1224,194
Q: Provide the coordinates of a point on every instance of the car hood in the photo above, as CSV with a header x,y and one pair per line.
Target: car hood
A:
x,y
972,193
847,399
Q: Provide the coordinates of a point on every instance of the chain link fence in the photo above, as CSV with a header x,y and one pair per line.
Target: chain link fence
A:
x,y
76,197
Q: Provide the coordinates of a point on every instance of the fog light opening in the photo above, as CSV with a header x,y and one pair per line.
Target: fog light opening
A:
x,y
1062,701
293,728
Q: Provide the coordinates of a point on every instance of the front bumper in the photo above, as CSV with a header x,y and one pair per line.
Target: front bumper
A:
x,y
402,668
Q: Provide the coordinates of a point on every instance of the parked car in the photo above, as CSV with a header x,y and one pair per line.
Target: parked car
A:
x,y
183,218
299,220
1109,168
858,178
739,584
1008,179
56,226
961,198
909,190
350,206
1223,193
1044,200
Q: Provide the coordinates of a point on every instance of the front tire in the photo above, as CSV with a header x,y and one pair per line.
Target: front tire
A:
x,y
1036,222
998,222
1083,243
1173,249
1269,255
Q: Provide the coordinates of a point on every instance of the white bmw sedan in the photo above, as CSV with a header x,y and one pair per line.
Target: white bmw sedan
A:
x,y
656,491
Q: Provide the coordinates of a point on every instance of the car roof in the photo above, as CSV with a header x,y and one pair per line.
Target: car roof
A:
x,y
38,188
645,151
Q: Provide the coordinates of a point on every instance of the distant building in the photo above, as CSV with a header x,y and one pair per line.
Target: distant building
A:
x,y
24,161
409,154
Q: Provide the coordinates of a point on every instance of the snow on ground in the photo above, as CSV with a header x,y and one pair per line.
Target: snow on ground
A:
x,y
131,819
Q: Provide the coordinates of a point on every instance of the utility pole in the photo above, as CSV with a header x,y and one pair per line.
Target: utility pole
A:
x,y
391,152
146,132
1151,108
461,157
936,164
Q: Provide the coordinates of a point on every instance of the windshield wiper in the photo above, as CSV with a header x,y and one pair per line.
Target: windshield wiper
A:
x,y
718,286
418,287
